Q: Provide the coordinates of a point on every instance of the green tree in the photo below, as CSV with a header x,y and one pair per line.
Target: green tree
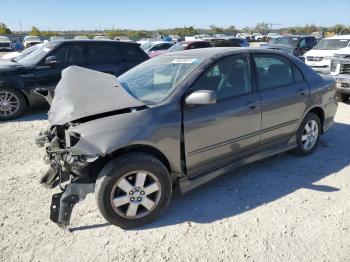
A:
x,y
262,28
4,30
35,31
215,29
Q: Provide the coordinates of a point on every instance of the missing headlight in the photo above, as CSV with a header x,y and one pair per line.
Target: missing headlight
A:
x,y
72,138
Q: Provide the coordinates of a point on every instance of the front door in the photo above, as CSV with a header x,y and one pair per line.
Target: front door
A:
x,y
218,134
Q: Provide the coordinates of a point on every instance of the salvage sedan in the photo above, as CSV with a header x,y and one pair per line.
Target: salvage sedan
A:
x,y
178,120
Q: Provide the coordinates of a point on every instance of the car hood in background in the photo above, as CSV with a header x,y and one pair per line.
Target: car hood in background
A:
x,y
83,92
285,48
6,66
320,53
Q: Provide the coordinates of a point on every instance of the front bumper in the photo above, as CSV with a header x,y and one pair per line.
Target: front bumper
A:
x,y
343,83
70,173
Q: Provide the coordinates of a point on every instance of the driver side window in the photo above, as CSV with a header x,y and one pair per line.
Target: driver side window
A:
x,y
230,77
60,54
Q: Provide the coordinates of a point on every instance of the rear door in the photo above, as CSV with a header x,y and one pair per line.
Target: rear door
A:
x,y
284,95
218,134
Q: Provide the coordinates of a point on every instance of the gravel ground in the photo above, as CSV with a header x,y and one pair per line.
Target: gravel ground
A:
x,y
283,208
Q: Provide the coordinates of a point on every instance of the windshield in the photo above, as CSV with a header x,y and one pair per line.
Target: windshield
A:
x,y
147,46
332,44
293,41
177,47
36,55
154,80
4,38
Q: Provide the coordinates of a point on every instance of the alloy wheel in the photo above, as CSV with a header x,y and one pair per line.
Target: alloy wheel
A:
x,y
135,194
9,103
310,135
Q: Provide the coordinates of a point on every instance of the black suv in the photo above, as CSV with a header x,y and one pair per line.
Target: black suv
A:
x,y
41,70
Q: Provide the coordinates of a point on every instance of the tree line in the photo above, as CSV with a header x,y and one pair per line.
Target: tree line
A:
x,y
263,28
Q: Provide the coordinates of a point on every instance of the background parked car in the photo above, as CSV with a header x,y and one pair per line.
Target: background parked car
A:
x,y
41,69
16,54
5,43
340,69
185,45
101,37
151,48
31,40
81,37
238,42
296,45
55,38
319,58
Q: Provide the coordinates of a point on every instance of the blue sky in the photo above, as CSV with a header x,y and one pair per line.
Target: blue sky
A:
x,y
156,14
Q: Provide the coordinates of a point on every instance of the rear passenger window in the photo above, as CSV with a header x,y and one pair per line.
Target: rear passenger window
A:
x,y
102,53
131,53
273,71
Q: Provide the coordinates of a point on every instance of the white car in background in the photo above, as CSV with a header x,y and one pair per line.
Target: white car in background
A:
x,y
56,38
5,43
81,37
340,69
273,35
101,37
12,55
31,40
319,58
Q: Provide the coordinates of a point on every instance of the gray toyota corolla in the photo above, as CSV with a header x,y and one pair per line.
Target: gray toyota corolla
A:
x,y
177,120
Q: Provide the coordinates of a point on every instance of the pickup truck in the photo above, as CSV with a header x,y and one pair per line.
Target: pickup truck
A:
x,y
340,69
176,120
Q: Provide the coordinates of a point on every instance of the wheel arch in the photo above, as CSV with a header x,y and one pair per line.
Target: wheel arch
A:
x,y
141,148
25,95
319,112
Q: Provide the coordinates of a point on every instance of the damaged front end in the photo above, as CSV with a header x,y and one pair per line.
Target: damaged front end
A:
x,y
68,170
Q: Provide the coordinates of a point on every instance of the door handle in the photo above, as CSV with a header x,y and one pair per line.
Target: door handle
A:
x,y
301,91
253,104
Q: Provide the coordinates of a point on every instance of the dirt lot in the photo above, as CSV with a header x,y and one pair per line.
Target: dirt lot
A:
x,y
283,208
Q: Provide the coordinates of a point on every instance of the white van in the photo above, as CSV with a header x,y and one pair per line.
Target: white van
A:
x,y
319,57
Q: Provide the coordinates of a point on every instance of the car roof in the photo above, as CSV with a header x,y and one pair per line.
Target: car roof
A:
x,y
92,41
207,53
339,37
193,41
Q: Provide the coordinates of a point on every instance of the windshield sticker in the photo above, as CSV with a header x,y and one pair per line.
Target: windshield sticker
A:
x,y
184,61
45,49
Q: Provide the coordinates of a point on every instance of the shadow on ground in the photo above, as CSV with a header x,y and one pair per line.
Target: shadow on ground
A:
x,y
259,183
36,112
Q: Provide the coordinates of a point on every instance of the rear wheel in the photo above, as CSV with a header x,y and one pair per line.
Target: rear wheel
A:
x,y
12,103
343,98
133,190
308,135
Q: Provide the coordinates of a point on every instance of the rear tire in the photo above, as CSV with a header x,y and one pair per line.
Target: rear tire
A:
x,y
12,103
343,98
308,135
133,190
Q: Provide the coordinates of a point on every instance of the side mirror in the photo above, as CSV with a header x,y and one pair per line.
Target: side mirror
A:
x,y
201,97
51,60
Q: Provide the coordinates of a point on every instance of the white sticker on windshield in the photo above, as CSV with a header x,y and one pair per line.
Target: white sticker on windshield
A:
x,y
45,49
184,61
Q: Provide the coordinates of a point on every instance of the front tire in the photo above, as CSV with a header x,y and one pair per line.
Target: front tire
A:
x,y
12,103
133,190
308,135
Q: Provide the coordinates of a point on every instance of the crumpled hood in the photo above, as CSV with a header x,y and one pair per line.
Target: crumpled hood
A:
x,y
83,92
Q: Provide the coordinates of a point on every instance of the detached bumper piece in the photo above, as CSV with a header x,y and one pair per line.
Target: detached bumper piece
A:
x,y
62,203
